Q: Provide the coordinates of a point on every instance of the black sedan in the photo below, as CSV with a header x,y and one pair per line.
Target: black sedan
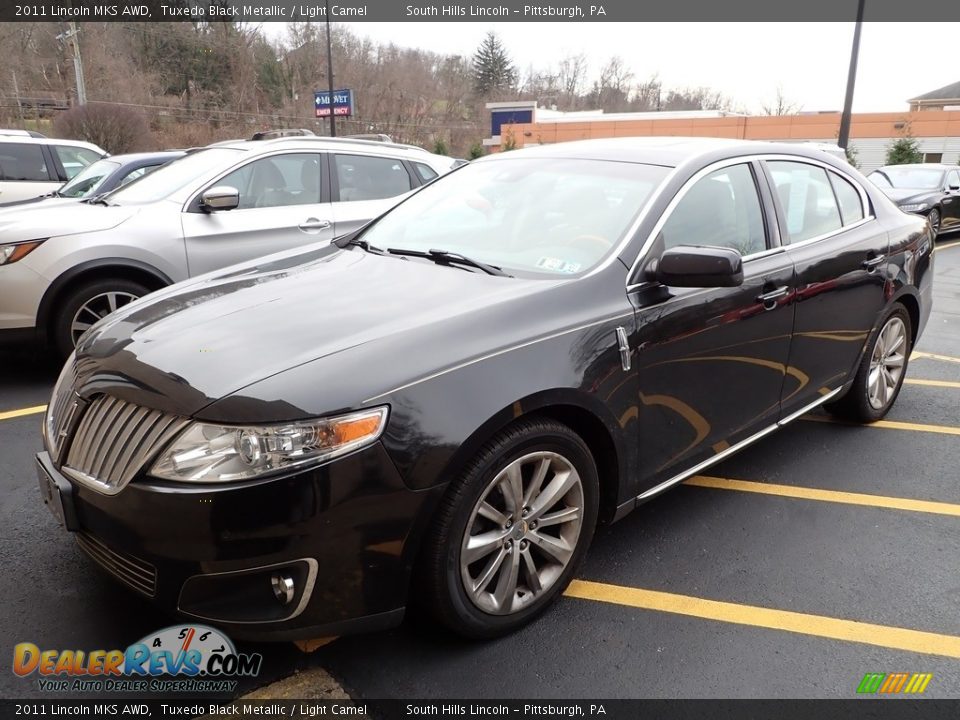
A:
x,y
927,189
440,408
105,175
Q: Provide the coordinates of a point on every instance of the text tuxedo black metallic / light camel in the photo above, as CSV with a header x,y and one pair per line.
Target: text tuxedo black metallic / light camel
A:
x,y
441,407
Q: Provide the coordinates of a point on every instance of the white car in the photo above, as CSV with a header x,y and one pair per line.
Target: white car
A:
x,y
64,267
34,166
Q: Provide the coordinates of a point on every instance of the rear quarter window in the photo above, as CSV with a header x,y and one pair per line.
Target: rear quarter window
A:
x,y
23,162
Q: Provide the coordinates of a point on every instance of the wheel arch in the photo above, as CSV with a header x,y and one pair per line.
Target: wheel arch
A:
x,y
91,270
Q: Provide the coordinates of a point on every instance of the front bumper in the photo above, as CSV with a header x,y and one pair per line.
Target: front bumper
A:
x,y
345,533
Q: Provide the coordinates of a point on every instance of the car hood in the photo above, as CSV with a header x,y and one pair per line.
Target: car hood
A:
x,y
906,195
58,217
195,343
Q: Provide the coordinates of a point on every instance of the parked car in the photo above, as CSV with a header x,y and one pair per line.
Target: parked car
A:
x,y
64,267
104,176
32,166
928,189
440,407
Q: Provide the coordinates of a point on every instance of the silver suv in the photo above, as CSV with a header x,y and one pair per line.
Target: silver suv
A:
x,y
63,268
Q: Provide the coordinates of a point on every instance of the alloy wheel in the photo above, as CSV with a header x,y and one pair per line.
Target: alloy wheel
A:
x,y
97,307
886,363
522,533
934,218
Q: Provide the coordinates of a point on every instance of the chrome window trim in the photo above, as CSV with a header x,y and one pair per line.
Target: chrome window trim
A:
x,y
727,162
680,477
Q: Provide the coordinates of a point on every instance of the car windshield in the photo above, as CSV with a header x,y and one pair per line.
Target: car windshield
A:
x,y
88,180
536,215
166,180
908,178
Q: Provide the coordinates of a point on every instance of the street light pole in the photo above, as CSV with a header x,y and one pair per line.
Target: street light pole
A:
x,y
844,137
333,122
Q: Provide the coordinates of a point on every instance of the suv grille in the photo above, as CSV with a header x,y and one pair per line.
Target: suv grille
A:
x,y
60,412
114,440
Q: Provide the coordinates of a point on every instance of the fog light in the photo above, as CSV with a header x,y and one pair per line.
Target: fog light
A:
x,y
283,587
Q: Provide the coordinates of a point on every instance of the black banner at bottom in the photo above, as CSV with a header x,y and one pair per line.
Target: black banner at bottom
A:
x,y
854,709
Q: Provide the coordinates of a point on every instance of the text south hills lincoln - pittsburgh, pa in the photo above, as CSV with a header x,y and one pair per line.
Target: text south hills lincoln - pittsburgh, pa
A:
x,y
454,11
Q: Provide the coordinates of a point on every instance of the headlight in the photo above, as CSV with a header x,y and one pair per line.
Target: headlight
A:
x,y
15,251
216,453
915,207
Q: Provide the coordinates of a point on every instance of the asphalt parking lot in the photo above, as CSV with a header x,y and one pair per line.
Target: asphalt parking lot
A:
x,y
824,552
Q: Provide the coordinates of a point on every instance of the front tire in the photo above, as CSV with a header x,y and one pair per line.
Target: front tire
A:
x,y
934,218
86,304
881,372
512,530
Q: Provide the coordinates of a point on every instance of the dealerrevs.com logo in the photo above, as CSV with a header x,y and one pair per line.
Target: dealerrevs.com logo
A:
x,y
180,658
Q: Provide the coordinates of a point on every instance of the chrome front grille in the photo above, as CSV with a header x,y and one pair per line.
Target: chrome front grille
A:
x,y
114,440
60,412
137,573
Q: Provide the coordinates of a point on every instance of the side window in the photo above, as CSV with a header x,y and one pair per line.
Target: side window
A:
x,y
806,198
953,179
851,206
425,172
134,174
23,162
721,209
362,177
277,181
75,159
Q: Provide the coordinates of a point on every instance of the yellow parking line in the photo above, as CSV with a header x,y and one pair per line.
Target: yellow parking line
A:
x,y
946,246
920,355
885,636
890,425
9,414
931,383
834,496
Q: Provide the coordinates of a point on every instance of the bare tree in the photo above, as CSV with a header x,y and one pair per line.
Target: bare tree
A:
x,y
780,105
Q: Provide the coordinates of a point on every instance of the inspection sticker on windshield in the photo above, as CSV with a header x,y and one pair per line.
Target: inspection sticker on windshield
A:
x,y
557,265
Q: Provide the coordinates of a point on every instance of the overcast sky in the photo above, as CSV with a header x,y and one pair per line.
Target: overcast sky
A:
x,y
745,61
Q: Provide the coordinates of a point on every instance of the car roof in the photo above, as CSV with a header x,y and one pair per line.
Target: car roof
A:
x,y
319,142
922,166
665,151
146,156
51,141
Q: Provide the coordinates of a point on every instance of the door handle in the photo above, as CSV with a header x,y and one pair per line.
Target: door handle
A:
x,y
872,264
314,224
769,299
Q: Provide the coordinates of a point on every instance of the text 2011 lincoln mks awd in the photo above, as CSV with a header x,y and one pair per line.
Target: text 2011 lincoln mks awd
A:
x,y
440,408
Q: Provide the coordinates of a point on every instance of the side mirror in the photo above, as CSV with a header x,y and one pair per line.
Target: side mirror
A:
x,y
221,197
953,188
700,267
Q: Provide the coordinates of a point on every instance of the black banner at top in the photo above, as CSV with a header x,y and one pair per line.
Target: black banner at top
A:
x,y
487,11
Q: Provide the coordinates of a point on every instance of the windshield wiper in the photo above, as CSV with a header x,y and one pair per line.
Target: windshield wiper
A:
x,y
445,257
363,245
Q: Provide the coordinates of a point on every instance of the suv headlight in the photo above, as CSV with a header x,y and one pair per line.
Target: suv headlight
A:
x,y
205,453
914,207
12,252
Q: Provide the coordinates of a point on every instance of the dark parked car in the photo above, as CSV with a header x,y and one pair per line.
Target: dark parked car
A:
x,y
440,407
927,189
105,175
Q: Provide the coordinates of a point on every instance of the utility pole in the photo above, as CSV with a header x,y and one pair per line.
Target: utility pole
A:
x,y
333,122
16,92
72,35
844,136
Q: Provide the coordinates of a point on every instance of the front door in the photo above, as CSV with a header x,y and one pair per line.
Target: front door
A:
x,y
280,208
711,362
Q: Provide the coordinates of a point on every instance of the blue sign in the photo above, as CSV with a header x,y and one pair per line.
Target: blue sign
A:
x,y
342,103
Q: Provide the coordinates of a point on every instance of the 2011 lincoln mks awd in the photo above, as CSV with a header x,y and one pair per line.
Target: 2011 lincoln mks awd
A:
x,y
439,408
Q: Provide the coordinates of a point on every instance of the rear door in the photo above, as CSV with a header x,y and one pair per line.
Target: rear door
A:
x,y
711,361
840,254
283,204
364,186
26,171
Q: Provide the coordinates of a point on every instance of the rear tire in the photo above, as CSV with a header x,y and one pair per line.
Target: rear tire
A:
x,y
511,531
86,304
881,372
